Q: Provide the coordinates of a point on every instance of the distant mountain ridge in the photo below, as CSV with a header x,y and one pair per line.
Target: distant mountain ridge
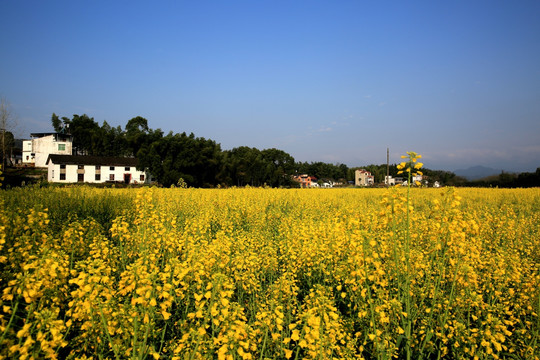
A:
x,y
477,172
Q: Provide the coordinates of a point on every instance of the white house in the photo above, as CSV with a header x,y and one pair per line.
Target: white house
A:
x,y
414,180
27,155
389,180
37,150
94,169
363,178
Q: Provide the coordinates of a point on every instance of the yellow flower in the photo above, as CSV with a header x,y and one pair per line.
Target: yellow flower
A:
x,y
288,353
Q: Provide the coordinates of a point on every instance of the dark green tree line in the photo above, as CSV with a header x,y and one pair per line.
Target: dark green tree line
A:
x,y
201,162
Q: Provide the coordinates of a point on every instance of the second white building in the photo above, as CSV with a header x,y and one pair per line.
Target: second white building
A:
x,y
94,169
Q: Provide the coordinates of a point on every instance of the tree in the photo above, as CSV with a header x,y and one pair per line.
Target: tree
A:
x,y
83,129
279,167
175,156
137,133
246,166
7,125
60,125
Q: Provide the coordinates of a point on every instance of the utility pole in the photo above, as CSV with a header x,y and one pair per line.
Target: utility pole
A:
x,y
387,167
3,148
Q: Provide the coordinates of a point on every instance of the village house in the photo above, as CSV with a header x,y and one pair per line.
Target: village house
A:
x,y
415,179
391,181
36,151
363,178
94,169
306,180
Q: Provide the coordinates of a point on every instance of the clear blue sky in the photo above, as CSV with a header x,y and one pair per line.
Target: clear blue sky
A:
x,y
332,81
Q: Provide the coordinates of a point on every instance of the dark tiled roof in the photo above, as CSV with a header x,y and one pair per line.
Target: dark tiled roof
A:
x,y
92,160
42,134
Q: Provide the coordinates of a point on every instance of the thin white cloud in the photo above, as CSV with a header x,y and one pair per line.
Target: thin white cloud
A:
x,y
325,129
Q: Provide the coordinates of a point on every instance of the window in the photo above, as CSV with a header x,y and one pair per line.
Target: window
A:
x,y
98,177
62,166
111,177
142,178
111,168
62,176
80,167
61,147
126,168
98,167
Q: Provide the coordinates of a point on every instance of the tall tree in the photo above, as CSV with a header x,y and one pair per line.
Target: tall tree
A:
x,y
175,156
247,166
137,134
279,167
60,125
7,125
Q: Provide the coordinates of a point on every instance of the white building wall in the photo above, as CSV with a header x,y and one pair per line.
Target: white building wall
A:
x,y
53,171
71,173
388,180
46,145
89,171
27,157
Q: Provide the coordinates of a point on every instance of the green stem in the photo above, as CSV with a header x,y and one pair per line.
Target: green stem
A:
x,y
105,327
10,320
408,320
264,344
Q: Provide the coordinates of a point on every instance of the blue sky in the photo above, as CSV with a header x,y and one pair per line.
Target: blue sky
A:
x,y
332,81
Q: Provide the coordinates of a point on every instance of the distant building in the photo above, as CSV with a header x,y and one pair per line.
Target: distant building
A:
x,y
27,154
37,150
363,178
306,181
94,169
415,180
390,181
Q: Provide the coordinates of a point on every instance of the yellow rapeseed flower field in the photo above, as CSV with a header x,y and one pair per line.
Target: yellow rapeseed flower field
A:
x,y
253,273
